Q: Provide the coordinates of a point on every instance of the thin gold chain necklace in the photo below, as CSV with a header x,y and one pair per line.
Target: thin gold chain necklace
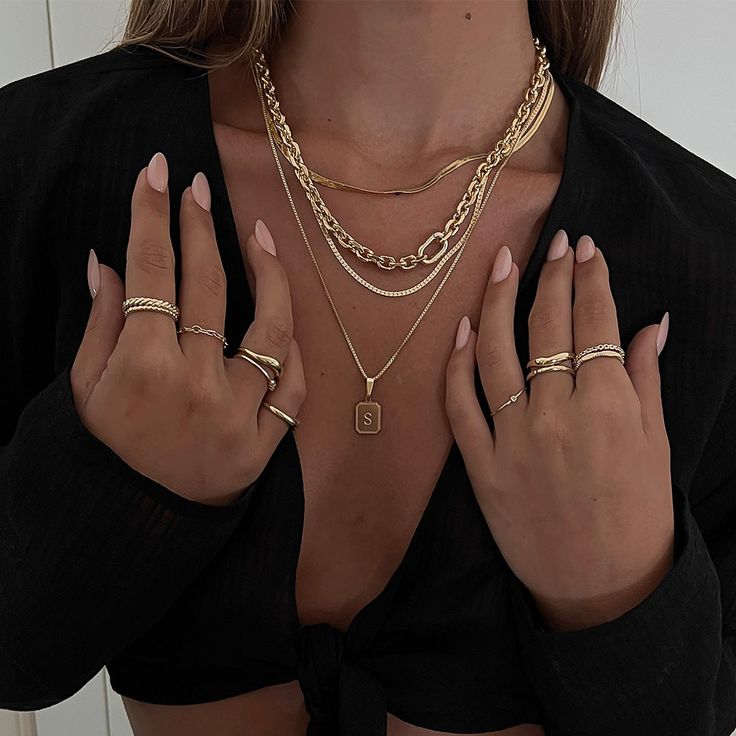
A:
x,y
330,223
524,132
368,413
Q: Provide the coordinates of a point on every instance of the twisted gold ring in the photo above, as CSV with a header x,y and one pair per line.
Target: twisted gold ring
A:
x,y
149,304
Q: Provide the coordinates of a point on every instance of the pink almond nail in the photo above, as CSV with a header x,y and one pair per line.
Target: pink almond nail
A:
x,y
157,172
502,265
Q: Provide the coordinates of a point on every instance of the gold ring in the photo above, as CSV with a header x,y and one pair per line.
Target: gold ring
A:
x,y
199,330
271,381
265,360
550,359
598,354
149,304
596,348
293,423
548,369
511,400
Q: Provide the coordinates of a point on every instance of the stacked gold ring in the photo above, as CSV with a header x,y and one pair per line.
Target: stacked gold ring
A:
x,y
149,304
262,362
550,364
604,350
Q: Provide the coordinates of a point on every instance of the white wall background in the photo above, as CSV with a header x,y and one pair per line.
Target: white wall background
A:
x,y
671,67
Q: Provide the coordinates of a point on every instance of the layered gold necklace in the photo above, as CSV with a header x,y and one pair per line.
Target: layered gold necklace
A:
x,y
368,412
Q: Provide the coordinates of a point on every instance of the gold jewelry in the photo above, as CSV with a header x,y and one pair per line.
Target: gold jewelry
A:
x,y
545,100
594,348
328,221
336,252
266,360
549,368
511,400
271,381
293,423
368,412
199,330
149,304
550,359
599,354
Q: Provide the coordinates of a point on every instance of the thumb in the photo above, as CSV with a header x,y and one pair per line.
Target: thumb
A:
x,y
642,364
104,325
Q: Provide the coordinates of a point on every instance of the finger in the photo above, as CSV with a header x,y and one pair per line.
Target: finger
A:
x,y
594,319
149,269
550,325
642,363
467,420
498,363
203,287
103,328
288,396
272,328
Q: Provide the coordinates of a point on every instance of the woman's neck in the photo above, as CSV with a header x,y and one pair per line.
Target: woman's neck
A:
x,y
402,79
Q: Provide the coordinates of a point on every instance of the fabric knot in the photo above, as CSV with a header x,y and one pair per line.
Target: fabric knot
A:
x,y
342,698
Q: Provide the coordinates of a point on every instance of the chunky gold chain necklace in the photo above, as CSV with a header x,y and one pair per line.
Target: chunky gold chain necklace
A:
x,y
368,413
331,225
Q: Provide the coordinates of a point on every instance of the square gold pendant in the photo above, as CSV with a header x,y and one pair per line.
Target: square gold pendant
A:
x,y
367,417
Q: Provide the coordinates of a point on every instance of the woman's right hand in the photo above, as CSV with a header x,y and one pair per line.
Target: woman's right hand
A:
x,y
172,406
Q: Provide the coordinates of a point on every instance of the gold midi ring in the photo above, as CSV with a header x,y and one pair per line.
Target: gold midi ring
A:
x,y
598,354
511,400
293,423
550,359
549,368
271,381
596,348
149,304
199,330
266,360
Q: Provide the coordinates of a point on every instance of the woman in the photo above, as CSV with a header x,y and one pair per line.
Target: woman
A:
x,y
541,547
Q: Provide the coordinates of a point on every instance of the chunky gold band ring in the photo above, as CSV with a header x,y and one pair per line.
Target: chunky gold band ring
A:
x,y
543,360
271,381
293,423
511,400
266,360
149,304
199,330
549,368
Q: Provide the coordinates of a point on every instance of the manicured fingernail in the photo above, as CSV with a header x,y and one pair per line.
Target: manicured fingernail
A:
x,y
558,247
463,332
502,265
201,191
93,273
157,172
662,331
264,237
585,249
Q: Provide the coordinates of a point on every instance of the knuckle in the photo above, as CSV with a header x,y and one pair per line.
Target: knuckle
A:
x,y
491,353
594,308
543,315
149,366
151,256
551,430
211,277
278,333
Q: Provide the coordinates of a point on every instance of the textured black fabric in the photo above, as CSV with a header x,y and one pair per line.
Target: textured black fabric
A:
x,y
187,603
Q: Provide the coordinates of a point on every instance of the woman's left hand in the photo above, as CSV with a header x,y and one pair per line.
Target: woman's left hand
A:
x,y
574,482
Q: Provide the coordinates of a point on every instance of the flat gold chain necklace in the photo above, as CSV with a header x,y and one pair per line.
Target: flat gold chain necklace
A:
x,y
329,223
368,413
326,181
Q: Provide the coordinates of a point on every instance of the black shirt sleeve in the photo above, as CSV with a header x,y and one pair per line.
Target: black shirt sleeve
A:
x,y
668,665
92,552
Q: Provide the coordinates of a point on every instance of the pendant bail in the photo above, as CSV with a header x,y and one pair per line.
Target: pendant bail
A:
x,y
369,387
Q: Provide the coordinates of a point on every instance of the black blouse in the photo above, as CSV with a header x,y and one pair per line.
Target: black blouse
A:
x,y
187,603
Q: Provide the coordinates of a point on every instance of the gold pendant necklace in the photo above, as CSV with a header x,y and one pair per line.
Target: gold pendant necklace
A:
x,y
368,412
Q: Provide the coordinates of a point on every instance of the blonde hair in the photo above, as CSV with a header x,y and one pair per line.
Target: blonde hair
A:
x,y
577,33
